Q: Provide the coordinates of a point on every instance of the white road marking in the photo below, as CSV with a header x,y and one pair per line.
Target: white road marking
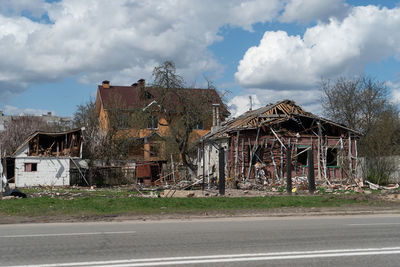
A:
x,y
70,234
371,224
229,258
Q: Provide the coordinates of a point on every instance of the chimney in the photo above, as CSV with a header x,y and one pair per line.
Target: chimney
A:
x,y
141,82
106,84
216,118
217,115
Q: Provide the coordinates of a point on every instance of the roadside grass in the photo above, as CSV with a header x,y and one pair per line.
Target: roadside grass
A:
x,y
98,205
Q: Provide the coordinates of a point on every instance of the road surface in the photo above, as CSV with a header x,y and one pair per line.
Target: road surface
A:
x,y
281,241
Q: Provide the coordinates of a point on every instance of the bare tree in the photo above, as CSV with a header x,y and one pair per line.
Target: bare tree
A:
x,y
182,111
19,129
112,142
355,102
85,116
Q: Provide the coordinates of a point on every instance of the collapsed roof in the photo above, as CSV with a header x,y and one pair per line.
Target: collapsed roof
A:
x,y
285,117
53,144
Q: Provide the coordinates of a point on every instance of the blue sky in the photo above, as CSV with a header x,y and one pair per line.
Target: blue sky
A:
x,y
55,53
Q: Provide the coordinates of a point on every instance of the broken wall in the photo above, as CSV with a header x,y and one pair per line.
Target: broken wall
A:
x,y
263,157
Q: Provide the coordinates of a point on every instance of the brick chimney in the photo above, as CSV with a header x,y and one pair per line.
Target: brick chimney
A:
x,y
106,84
141,82
216,118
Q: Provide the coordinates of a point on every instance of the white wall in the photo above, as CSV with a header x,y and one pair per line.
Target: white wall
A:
x,y
50,172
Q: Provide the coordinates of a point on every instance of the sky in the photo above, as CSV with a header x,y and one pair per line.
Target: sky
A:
x,y
54,54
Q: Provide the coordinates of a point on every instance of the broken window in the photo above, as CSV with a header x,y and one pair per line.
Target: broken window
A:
x,y
152,123
332,157
199,126
302,155
30,167
257,156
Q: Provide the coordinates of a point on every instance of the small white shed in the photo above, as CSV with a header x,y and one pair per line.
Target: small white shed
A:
x,y
45,159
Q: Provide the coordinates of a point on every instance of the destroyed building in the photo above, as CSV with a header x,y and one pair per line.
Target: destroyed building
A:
x,y
255,147
47,158
149,153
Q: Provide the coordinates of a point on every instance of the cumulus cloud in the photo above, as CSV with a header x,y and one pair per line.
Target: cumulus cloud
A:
x,y
327,50
308,99
305,11
119,40
395,92
241,103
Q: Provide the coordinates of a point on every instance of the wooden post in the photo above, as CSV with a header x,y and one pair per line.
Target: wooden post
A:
x,y
319,151
173,169
350,159
221,167
242,171
289,170
311,178
204,168
236,157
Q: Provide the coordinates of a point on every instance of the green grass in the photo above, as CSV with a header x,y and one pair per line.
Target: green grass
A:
x,y
95,205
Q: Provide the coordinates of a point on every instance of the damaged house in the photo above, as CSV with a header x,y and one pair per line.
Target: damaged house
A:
x,y
149,151
255,147
46,159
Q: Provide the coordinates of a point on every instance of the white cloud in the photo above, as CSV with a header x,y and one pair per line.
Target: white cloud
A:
x,y
308,99
12,110
119,40
241,103
395,92
327,50
304,11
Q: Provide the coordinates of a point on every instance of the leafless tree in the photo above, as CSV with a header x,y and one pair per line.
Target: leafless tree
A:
x,y
112,142
182,111
355,102
19,129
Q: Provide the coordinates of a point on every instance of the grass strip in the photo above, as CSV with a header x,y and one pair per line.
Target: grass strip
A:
x,y
87,206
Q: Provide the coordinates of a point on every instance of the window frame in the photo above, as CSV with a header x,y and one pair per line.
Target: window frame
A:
x,y
153,120
123,121
304,148
199,126
338,161
30,167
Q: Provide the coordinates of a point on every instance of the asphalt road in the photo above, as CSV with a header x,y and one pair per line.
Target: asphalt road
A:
x,y
301,241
